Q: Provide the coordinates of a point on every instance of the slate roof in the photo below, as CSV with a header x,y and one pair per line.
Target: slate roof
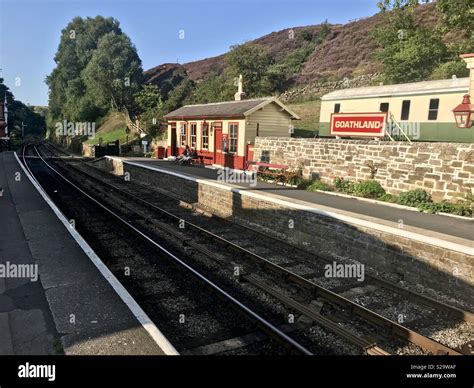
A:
x,y
413,88
222,109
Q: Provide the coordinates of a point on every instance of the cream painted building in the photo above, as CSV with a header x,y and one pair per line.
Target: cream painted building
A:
x,y
223,133
425,106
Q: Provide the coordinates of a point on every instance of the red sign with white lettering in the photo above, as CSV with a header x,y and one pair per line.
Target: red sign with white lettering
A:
x,y
358,124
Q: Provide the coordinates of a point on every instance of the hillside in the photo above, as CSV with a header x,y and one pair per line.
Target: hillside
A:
x,y
345,51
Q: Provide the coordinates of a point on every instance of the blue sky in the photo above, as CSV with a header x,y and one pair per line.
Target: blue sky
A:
x,y
30,30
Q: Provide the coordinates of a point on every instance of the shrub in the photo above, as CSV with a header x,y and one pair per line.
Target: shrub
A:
x,y
388,198
318,185
343,185
368,189
294,177
304,184
414,198
459,209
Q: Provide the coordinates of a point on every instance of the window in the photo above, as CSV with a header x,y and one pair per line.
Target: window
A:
x,y
405,110
433,111
384,107
182,134
233,136
193,134
205,136
337,108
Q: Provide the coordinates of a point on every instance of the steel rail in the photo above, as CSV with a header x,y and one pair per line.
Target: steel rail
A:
x,y
265,325
393,328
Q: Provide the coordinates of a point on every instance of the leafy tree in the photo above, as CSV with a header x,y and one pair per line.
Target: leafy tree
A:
x,y
408,53
180,95
252,61
213,89
148,98
114,72
457,14
394,5
92,56
18,113
448,69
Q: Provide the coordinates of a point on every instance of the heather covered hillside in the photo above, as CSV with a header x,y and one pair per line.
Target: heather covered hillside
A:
x,y
296,57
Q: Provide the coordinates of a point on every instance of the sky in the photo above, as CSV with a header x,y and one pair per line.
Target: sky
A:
x,y
30,30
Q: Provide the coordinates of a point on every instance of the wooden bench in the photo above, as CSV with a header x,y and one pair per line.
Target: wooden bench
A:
x,y
199,161
268,167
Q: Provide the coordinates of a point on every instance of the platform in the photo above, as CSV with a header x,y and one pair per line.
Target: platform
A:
x,y
70,307
458,230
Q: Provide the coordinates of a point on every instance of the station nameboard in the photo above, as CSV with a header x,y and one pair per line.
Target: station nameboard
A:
x,y
358,124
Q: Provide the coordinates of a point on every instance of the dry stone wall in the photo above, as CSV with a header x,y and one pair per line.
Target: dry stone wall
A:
x,y
413,261
445,170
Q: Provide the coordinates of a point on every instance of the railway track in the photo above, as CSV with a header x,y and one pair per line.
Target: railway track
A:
x,y
223,316
343,300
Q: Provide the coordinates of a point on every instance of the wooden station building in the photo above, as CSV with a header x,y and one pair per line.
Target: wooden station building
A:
x,y
224,133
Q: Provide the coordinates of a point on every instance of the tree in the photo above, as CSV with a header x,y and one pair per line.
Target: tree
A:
x,y
252,61
18,113
394,5
457,14
148,98
408,52
213,89
95,64
448,69
114,73
180,95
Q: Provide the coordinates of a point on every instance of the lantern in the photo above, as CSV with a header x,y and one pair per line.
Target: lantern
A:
x,y
463,113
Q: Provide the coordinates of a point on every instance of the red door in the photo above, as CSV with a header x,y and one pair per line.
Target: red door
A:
x,y
174,148
218,156
250,156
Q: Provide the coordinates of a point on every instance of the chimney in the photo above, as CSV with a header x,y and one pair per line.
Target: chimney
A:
x,y
240,95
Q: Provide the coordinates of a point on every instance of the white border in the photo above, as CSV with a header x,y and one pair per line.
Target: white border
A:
x,y
355,115
136,310
348,219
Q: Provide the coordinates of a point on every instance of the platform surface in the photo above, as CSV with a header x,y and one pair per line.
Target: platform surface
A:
x,y
70,308
459,230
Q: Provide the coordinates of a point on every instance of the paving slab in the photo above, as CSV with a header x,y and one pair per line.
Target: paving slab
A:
x,y
71,308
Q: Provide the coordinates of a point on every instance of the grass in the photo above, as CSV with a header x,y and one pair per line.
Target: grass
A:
x,y
309,113
111,129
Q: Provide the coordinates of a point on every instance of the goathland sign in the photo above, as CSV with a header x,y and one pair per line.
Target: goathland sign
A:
x,y
358,124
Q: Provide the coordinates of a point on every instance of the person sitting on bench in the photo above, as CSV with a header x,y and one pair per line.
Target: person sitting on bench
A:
x,y
180,158
194,156
188,159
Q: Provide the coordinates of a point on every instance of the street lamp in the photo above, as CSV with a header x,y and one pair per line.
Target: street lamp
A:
x,y
127,131
463,113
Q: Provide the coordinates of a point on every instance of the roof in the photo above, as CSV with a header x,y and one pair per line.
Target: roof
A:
x,y
226,109
425,87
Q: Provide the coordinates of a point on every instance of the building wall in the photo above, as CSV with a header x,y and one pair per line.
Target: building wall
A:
x,y
272,122
418,109
225,130
414,261
446,170
441,129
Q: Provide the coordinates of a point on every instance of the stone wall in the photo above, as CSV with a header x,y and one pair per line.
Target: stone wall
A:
x,y
446,170
414,261
318,89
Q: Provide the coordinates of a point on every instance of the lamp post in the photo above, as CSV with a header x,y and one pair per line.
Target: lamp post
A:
x,y
127,131
463,113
